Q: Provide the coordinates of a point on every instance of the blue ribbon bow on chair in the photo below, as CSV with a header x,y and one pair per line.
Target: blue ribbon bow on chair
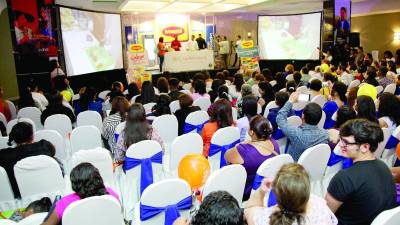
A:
x,y
257,183
392,142
214,149
171,211
146,174
190,127
116,137
334,159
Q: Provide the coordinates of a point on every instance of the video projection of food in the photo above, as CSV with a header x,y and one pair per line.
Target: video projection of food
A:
x,y
91,40
290,36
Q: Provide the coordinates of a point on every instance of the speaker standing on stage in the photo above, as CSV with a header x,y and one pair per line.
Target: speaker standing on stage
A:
x,y
192,44
176,44
161,51
201,42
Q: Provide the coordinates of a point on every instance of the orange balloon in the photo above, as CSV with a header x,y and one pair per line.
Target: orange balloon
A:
x,y
398,151
194,168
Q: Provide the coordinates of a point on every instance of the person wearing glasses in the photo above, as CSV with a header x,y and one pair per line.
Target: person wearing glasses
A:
x,y
358,194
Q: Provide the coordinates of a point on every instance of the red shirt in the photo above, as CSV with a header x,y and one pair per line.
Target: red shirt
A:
x,y
176,45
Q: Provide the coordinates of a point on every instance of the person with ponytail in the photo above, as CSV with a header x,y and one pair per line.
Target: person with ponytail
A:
x,y
251,154
85,182
22,145
295,205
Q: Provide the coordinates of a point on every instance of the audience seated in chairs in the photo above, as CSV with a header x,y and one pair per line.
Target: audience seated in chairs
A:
x,y
39,206
148,94
40,100
359,193
199,90
62,85
365,108
88,101
120,107
337,99
56,107
389,111
186,107
133,90
267,94
214,88
86,182
315,88
174,89
308,135
251,154
343,114
280,99
221,116
218,208
26,99
295,203
22,137
136,129
162,85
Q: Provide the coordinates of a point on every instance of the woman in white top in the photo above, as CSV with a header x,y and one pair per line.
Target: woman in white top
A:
x,y
236,87
295,205
249,109
388,111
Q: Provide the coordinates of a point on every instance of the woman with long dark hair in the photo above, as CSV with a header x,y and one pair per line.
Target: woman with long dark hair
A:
x,y
186,107
236,87
267,94
365,108
148,94
88,101
136,129
295,203
86,182
249,109
133,90
221,116
56,107
119,108
162,106
200,90
389,111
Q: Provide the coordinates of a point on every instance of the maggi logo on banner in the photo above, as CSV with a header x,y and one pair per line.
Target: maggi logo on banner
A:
x,y
173,31
247,44
134,48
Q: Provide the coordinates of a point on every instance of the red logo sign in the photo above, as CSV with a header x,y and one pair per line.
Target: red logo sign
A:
x,y
173,31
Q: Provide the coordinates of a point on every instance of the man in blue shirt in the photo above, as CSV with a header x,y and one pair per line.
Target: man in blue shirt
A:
x,y
305,136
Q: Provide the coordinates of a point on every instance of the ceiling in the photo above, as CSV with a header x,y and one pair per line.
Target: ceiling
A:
x,y
359,7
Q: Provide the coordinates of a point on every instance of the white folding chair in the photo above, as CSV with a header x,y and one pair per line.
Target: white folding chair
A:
x,y
270,105
259,108
103,94
388,217
60,123
7,222
13,109
234,114
3,119
354,83
99,210
99,158
320,100
12,123
379,89
6,194
289,77
322,120
203,102
85,137
34,219
197,118
272,83
381,146
167,127
161,195
38,175
270,167
255,91
56,139
174,106
222,180
147,107
120,127
391,88
89,118
389,154
32,113
133,99
222,137
331,171
298,106
4,142
294,121
130,182
190,143
315,160
187,86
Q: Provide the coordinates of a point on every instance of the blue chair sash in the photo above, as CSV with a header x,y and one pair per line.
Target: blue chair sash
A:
x,y
298,112
190,127
171,211
334,159
146,174
257,183
392,142
116,137
214,149
278,134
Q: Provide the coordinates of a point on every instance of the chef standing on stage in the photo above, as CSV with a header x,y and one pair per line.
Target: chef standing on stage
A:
x,y
176,44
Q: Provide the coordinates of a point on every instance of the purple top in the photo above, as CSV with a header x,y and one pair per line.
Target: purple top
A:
x,y
252,160
67,200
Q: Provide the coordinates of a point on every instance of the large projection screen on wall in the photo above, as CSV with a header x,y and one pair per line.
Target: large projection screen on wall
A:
x,y
294,37
91,40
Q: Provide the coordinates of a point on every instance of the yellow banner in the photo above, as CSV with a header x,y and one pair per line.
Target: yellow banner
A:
x,y
170,26
247,44
136,48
